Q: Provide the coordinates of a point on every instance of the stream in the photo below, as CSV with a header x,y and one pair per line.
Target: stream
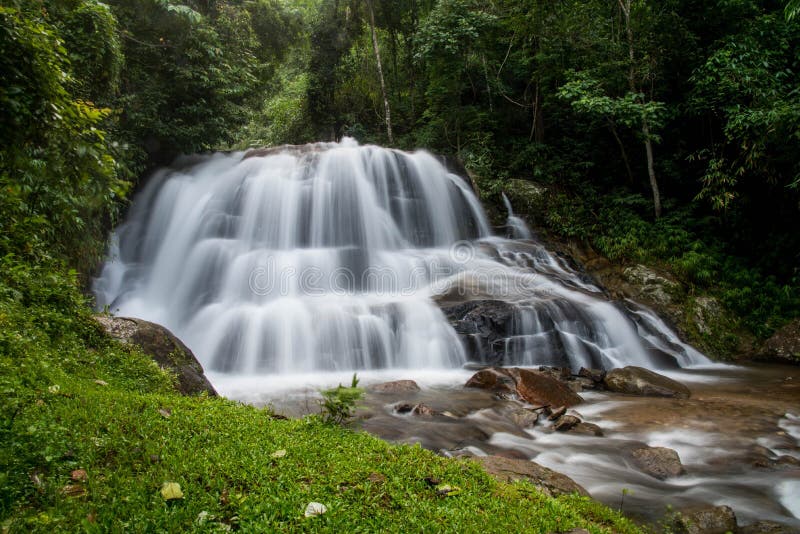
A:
x,y
738,436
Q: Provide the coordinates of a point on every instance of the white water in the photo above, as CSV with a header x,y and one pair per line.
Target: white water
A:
x,y
517,229
329,257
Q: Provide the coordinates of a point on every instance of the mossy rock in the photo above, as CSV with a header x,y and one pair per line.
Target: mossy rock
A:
x,y
165,349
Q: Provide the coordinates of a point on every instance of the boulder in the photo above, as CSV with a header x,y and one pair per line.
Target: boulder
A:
x,y
396,386
640,381
651,285
492,379
588,429
414,409
595,375
539,389
524,418
784,345
706,520
566,422
658,462
546,480
164,348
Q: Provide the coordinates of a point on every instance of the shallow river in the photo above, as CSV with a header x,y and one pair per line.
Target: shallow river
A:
x,y
730,435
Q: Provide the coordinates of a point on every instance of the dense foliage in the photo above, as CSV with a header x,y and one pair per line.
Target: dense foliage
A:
x,y
632,109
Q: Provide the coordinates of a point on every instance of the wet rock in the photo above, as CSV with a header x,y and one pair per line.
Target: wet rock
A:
x,y
493,380
759,456
595,375
164,348
784,345
706,520
766,527
539,389
658,462
524,418
414,409
640,381
575,386
588,429
787,461
396,386
555,413
546,480
483,325
566,422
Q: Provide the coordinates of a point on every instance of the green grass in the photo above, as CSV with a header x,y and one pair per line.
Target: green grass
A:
x,y
131,433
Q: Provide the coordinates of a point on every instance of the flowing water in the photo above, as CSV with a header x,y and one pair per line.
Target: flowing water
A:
x,y
300,265
329,257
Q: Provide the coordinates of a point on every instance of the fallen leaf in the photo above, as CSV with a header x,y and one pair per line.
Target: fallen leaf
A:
x,y
101,382
171,491
315,509
278,454
166,413
79,475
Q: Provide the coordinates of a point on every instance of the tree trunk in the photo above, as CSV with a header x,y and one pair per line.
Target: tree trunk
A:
x,y
537,121
648,146
622,150
625,6
387,111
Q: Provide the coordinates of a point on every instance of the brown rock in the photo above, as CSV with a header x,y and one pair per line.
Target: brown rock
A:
x,y
706,520
524,418
566,422
161,345
589,429
396,386
658,462
538,388
546,480
555,413
595,375
640,381
414,409
493,380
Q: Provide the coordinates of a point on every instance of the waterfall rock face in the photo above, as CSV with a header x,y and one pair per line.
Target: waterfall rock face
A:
x,y
335,256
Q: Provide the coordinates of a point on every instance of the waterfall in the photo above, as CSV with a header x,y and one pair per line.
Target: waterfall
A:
x,y
335,256
517,229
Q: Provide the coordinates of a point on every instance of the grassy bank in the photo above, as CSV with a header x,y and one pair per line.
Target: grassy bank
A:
x,y
91,430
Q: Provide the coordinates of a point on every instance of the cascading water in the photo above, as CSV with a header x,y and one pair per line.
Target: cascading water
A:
x,y
517,229
334,257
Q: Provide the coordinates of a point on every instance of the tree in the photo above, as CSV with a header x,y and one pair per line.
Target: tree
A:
x,y
386,107
58,173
